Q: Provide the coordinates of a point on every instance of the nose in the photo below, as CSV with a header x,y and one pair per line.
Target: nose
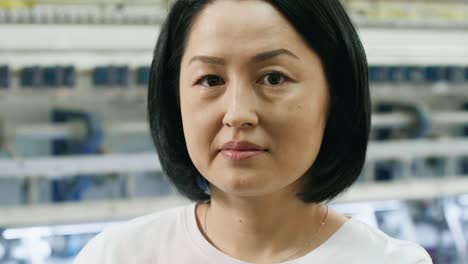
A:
x,y
241,107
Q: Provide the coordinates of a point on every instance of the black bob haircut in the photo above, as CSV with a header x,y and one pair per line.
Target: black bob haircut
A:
x,y
327,30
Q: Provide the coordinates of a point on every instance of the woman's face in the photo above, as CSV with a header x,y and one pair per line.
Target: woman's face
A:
x,y
246,75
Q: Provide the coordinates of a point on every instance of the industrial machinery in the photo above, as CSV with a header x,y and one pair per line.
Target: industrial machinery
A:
x,y
74,136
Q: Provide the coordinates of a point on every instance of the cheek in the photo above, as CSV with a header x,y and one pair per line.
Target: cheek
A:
x,y
190,124
199,130
308,118
299,134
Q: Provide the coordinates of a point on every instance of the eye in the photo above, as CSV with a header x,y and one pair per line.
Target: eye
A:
x,y
210,80
274,78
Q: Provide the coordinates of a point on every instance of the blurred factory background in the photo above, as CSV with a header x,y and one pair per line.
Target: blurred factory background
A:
x,y
76,155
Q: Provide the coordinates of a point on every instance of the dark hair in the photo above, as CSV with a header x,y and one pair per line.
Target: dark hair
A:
x,y
328,31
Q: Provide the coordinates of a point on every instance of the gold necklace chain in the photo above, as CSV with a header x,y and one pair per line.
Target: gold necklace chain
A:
x,y
301,248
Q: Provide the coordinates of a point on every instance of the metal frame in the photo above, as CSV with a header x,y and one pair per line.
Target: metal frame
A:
x,y
74,130
67,213
402,150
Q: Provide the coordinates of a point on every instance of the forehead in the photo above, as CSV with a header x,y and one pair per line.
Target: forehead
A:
x,y
241,25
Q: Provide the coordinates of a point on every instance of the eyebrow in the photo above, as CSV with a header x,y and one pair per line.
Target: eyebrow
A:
x,y
257,58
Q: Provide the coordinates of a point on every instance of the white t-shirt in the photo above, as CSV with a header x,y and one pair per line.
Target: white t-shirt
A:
x,y
172,237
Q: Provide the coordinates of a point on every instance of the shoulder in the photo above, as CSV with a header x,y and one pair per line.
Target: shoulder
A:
x,y
405,252
391,250
141,235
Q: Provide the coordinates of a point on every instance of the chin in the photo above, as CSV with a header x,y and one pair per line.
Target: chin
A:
x,y
246,187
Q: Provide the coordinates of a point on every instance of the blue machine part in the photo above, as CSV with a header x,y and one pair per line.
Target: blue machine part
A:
x,y
379,74
456,74
31,76
384,133
111,76
383,170
466,74
52,76
464,166
143,75
4,76
436,73
418,74
71,189
414,74
397,74
121,75
101,76
69,76
421,128
49,76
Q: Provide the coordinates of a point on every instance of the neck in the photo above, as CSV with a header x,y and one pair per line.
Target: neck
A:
x,y
257,229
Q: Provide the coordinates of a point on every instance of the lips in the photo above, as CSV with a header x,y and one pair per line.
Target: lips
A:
x,y
241,150
242,146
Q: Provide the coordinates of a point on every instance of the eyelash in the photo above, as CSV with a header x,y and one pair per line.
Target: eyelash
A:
x,y
286,78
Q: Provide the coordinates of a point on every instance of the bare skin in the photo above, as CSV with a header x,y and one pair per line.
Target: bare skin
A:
x,y
217,232
253,78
